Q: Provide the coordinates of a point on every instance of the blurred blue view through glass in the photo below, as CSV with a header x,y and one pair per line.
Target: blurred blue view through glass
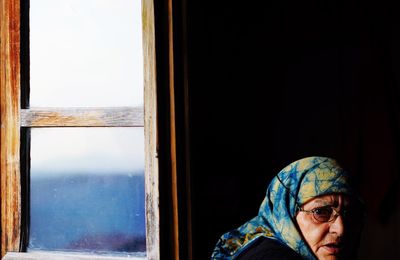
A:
x,y
87,190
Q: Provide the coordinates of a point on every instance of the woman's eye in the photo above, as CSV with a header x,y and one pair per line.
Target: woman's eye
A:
x,y
323,211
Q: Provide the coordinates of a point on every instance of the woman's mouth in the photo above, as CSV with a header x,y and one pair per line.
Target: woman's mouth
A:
x,y
332,248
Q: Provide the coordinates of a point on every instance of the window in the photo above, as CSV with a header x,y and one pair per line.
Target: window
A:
x,y
77,145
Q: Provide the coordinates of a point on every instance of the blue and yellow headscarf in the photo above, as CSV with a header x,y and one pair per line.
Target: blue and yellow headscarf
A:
x,y
297,183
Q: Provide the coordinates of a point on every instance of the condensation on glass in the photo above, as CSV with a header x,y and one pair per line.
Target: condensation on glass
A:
x,y
87,190
86,53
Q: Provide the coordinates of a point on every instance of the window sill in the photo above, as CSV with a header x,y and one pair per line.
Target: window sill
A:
x,y
64,256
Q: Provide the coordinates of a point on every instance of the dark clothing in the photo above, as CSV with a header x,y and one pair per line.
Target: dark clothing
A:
x,y
271,249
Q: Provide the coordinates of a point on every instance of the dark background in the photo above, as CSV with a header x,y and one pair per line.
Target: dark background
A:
x,y
270,82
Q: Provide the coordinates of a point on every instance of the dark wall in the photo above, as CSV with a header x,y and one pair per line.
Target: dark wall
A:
x,y
274,82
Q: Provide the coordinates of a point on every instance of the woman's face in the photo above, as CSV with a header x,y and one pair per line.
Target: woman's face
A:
x,y
328,240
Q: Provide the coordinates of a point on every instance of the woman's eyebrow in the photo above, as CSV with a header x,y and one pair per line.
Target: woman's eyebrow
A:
x,y
324,202
320,201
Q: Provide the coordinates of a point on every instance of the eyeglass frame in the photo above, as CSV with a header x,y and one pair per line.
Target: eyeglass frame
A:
x,y
332,218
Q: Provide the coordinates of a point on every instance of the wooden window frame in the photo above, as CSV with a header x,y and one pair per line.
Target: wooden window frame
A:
x,y
13,118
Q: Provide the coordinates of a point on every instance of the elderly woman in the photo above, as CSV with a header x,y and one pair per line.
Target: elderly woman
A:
x,y
310,212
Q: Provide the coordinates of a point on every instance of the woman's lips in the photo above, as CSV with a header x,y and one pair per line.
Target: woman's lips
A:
x,y
332,248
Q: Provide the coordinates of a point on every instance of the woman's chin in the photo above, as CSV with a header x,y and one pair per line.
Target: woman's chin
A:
x,y
328,253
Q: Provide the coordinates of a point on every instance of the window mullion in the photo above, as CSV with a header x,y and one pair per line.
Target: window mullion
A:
x,y
85,117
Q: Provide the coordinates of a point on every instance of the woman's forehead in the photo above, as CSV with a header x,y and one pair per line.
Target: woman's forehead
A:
x,y
330,199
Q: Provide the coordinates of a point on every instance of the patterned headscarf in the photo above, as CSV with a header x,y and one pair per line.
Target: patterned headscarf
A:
x,y
297,183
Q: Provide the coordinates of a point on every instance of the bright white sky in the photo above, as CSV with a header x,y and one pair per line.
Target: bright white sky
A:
x,y
86,53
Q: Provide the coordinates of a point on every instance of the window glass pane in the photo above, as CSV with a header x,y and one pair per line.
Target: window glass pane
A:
x,y
86,53
87,190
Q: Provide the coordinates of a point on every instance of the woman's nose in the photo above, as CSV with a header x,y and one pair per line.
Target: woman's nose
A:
x,y
337,226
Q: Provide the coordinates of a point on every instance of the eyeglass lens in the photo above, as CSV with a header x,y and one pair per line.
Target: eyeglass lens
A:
x,y
324,214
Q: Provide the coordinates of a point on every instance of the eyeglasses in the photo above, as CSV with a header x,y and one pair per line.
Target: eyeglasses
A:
x,y
325,213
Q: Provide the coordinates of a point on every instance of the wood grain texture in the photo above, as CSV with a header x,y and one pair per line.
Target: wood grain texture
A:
x,y
86,117
150,128
10,131
173,159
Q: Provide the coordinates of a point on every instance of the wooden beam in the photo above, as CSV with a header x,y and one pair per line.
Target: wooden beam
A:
x,y
86,117
173,152
151,135
10,129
